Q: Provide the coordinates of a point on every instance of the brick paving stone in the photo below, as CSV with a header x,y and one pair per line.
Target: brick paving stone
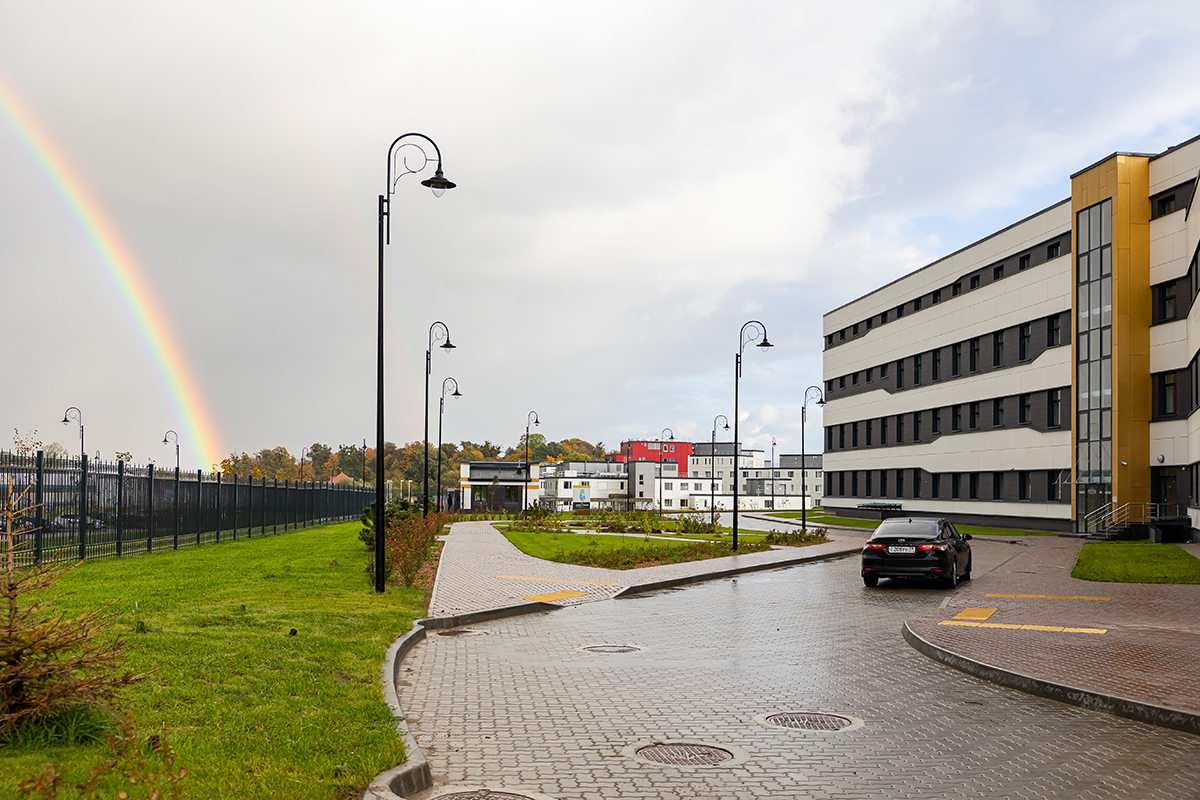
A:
x,y
523,706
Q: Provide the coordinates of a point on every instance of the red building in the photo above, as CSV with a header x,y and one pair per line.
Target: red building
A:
x,y
672,452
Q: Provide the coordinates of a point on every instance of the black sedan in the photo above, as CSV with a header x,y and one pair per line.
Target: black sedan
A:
x,y
917,547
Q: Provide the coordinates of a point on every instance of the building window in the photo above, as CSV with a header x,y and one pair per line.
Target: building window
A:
x,y
854,484
917,426
870,374
956,360
937,296
974,281
997,272
869,426
916,482
1166,302
870,320
869,473
998,349
956,289
973,365
1024,409
997,485
1023,492
1053,331
854,434
900,374
842,382
917,304
956,486
669,486
899,311
1164,206
916,370
1024,336
899,483
566,484
1052,486
883,431
899,428
854,330
842,437
974,419
883,368
854,379
841,484
937,421
1023,263
935,489
842,335
973,486
936,366
883,492
998,412
1054,408
956,418
1052,251
1166,394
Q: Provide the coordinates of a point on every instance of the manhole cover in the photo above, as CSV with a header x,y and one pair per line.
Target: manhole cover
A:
x,y
611,648
685,754
464,632
810,722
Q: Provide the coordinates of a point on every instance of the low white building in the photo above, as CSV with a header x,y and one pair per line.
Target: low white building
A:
x,y
499,486
584,485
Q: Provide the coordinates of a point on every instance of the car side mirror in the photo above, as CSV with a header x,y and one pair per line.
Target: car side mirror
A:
x,y
966,536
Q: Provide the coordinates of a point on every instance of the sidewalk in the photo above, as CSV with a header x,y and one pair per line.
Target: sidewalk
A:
x,y
479,569
1126,649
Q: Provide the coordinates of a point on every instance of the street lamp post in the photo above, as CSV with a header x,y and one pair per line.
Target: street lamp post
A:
x,y
389,493
772,471
803,460
530,417
439,185
168,438
67,417
662,443
441,410
750,332
437,332
712,472
304,453
78,416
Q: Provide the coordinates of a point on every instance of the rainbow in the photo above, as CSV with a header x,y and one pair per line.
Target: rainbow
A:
x,y
123,270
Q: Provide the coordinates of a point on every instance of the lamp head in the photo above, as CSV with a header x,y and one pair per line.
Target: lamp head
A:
x,y
456,393
165,440
764,343
821,402
448,345
726,426
438,183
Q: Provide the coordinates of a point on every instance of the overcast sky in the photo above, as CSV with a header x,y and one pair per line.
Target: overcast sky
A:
x,y
636,181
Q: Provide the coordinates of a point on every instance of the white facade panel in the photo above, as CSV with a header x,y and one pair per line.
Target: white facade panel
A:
x,y
1169,346
982,451
1169,254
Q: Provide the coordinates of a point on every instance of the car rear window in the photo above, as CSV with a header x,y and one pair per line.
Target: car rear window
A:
x,y
916,528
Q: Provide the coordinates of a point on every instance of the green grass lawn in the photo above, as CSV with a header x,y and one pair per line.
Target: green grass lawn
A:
x,y
850,522
251,711
1136,562
621,552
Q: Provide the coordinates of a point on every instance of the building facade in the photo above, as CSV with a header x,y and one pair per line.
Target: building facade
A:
x,y
1042,377
668,451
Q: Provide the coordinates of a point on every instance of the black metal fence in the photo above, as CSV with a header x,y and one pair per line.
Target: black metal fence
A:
x,y
80,508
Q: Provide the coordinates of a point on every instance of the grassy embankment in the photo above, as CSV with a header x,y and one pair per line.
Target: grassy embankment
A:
x,y
252,711
1136,562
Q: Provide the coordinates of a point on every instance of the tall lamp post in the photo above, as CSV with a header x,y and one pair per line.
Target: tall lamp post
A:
x,y
441,410
531,417
68,415
437,333
439,185
750,332
662,444
712,473
168,438
304,453
74,413
803,460
389,492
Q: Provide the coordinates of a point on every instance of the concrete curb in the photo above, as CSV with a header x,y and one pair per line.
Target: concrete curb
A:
x,y
414,774
1149,713
641,588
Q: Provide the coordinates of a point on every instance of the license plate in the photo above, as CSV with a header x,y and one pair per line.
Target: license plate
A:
x,y
901,549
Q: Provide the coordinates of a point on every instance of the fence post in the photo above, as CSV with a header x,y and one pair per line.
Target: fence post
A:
x,y
39,519
275,507
235,505
82,506
199,503
175,538
286,504
120,502
218,508
150,509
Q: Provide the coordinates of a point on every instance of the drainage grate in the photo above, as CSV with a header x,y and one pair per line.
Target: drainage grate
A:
x,y
809,721
462,632
684,754
611,648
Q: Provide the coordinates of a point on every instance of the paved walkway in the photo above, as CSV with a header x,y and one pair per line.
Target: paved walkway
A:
x,y
1137,642
480,569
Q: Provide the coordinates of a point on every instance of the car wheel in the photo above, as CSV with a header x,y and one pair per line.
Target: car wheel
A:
x,y
952,576
870,581
966,576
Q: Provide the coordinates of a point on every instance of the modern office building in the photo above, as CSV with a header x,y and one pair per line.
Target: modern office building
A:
x,y
669,451
1042,377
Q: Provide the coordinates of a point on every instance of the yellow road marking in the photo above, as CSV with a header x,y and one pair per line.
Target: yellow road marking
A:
x,y
1051,628
565,594
975,613
554,580
1051,596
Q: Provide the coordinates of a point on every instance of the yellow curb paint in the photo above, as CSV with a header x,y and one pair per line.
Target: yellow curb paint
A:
x,y
975,613
1050,596
554,580
1051,628
565,594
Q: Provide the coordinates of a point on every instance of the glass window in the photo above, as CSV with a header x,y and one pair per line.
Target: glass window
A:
x,y
997,272
974,281
956,418
1025,409
936,365
917,370
917,426
956,290
998,412
973,486
998,348
900,374
974,416
974,355
956,360
1024,337
997,485
937,421
1023,262
1053,331
937,296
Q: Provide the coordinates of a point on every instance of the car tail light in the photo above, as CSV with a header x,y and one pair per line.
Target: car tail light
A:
x,y
873,546
939,546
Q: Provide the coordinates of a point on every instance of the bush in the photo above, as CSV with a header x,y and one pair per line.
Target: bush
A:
x,y
796,538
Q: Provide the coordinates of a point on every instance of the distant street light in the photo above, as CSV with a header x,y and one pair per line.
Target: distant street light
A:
x,y
437,332
389,485
77,415
749,333
304,453
772,470
803,460
441,410
438,184
531,416
168,438
712,473
662,443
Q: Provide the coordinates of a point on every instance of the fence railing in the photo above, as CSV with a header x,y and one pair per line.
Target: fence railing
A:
x,y
80,508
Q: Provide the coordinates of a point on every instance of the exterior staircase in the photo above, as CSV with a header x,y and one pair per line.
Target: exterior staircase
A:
x,y
1128,520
